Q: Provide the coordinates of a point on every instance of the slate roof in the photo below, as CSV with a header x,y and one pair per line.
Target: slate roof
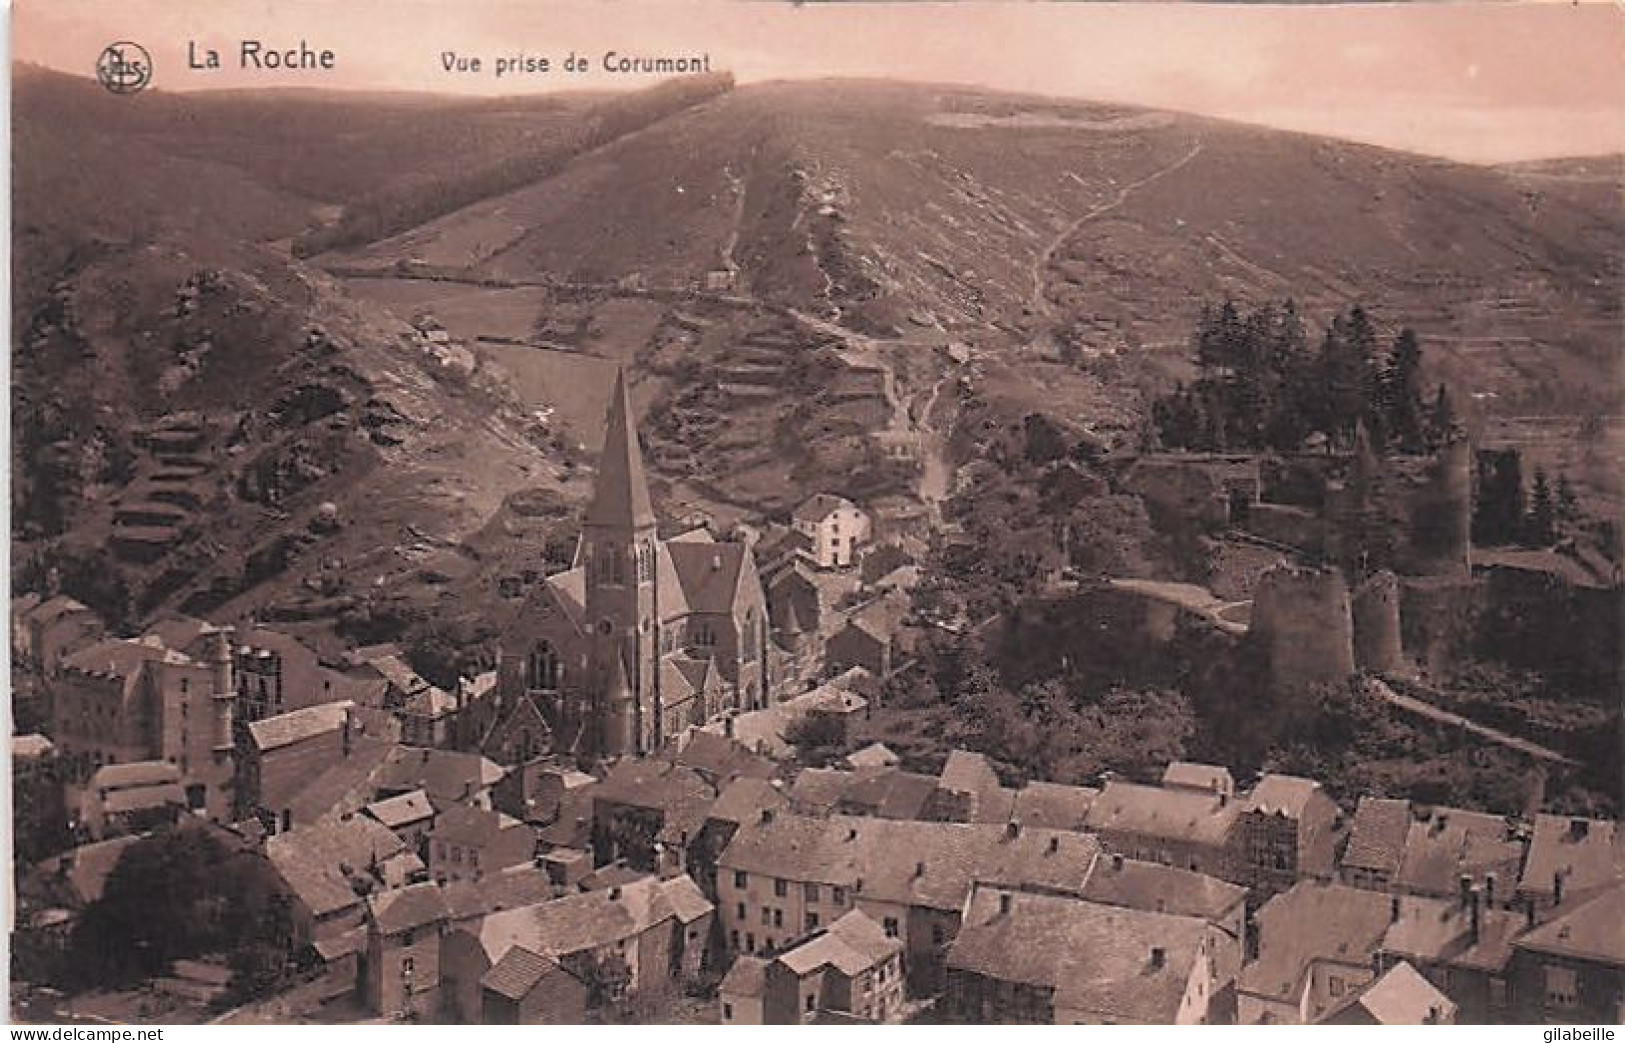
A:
x,y
924,864
744,800
408,908
1400,997
1053,806
874,755
119,658
1585,929
403,810
709,574
1590,853
511,887
31,747
519,971
1451,842
1286,794
720,758
319,861
285,729
1426,927
133,775
1096,958
820,506
1377,835
1190,775
446,775
474,827
747,977
1498,929
1312,921
1163,889
853,945
346,786
1152,811
679,793
586,921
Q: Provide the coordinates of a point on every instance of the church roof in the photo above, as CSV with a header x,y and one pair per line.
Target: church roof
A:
x,y
709,573
621,494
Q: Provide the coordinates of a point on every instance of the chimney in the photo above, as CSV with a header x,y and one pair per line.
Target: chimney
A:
x,y
1004,903
1393,909
1159,957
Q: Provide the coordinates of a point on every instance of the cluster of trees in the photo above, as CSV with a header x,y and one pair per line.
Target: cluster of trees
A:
x,y
1261,386
411,201
1504,513
181,894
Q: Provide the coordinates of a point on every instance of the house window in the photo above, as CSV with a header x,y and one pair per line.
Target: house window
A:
x,y
938,935
740,878
778,918
733,940
891,927
781,888
811,999
727,1012
1334,985
812,922
767,917
542,669
1562,986
409,938
812,892
839,896
406,965
743,912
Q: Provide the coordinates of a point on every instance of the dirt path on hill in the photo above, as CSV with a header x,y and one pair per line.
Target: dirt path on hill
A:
x,y
1036,301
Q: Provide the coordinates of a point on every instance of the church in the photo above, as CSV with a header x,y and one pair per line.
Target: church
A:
x,y
641,638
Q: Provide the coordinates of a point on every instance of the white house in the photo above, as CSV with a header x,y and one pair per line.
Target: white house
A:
x,y
836,527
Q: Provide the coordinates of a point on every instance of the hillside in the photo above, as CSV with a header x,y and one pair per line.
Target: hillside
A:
x,y
800,276
889,207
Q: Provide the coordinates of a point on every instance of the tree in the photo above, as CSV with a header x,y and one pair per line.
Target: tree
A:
x,y
1568,504
1401,394
819,739
1541,527
1498,509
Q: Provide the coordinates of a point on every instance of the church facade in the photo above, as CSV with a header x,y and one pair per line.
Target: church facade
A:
x,y
641,638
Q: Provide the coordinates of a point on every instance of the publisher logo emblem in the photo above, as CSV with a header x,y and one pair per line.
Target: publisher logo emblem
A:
x,y
124,67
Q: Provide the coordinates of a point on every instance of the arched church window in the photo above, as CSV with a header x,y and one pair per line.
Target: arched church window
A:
x,y
542,669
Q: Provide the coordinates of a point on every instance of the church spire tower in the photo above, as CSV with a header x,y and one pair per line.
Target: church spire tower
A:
x,y
619,551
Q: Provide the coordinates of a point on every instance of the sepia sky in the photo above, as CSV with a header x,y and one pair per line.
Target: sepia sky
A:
x,y
1474,81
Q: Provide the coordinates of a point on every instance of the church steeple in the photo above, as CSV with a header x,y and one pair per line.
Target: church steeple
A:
x,y
620,499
